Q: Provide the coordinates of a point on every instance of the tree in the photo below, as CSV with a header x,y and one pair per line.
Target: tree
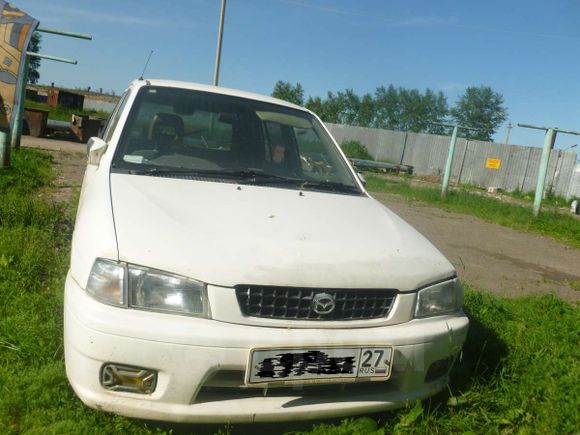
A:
x,y
332,109
480,108
366,111
409,109
34,62
287,91
388,110
316,105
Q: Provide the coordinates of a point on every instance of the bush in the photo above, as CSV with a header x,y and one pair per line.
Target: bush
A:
x,y
355,150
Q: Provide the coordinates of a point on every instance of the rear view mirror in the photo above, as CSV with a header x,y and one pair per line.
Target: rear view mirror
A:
x,y
96,147
362,179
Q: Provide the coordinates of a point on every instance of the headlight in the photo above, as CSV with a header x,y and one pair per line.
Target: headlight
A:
x,y
159,291
148,289
107,282
442,298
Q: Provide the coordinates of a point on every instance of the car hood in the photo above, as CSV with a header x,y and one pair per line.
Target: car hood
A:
x,y
227,234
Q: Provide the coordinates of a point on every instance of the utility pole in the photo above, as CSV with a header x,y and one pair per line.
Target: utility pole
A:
x,y
450,154
507,133
218,53
549,141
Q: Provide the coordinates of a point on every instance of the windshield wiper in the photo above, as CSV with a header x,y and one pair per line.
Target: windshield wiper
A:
x,y
248,176
330,186
176,171
252,176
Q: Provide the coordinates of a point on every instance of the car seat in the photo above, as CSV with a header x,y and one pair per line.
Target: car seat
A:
x,y
166,131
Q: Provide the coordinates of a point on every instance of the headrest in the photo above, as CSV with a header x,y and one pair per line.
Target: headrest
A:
x,y
166,128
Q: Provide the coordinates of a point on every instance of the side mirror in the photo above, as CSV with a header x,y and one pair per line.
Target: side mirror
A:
x,y
96,147
362,179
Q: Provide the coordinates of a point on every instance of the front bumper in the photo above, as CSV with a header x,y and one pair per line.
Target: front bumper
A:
x,y
201,364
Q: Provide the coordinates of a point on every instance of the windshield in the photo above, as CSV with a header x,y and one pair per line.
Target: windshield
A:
x,y
184,133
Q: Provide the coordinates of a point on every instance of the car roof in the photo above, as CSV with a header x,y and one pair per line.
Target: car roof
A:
x,y
215,89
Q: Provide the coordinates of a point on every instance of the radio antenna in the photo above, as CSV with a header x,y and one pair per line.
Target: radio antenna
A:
x,y
146,64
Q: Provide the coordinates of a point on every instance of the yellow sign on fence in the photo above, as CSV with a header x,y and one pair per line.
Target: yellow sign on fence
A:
x,y
493,164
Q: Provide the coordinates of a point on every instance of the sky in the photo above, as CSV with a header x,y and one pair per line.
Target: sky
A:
x,y
527,50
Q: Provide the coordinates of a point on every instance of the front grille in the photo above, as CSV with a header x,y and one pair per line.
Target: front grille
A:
x,y
293,303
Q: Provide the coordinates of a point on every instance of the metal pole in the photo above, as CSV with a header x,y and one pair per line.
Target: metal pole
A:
x,y
404,147
548,144
63,33
463,160
507,133
4,149
19,109
49,57
450,153
554,183
526,170
218,53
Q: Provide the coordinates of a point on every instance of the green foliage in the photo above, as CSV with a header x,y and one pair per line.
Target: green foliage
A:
x,y
409,109
404,109
350,426
63,113
549,199
288,92
481,108
34,246
561,227
34,62
390,108
355,150
30,170
344,108
517,374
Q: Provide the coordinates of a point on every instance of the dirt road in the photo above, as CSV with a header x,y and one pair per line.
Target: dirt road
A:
x,y
487,256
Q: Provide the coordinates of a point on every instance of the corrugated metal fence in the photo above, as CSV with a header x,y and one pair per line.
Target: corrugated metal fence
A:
x,y
427,154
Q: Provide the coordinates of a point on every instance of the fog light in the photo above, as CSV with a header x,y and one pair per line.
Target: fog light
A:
x,y
117,377
438,369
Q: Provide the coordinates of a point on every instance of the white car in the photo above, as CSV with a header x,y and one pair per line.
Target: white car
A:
x,y
228,266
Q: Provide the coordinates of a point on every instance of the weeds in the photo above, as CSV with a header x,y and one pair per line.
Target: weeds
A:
x,y
517,375
558,226
355,150
64,114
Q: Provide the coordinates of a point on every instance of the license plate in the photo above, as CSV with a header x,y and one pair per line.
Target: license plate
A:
x,y
319,365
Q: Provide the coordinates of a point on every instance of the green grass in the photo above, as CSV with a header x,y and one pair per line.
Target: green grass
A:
x,y
519,372
553,200
549,200
62,113
561,227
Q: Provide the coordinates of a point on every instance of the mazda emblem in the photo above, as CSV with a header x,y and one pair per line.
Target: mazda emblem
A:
x,y
323,303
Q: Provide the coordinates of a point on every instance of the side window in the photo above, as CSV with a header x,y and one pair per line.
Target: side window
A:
x,y
114,119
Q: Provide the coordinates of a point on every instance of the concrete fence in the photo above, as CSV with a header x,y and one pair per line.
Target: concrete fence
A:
x,y
92,104
427,153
